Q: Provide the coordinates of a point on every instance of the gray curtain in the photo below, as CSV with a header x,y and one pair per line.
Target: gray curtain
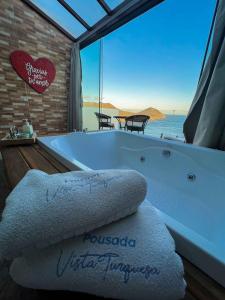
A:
x,y
205,123
75,91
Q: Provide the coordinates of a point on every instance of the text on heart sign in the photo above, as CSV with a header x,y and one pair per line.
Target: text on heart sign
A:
x,y
36,75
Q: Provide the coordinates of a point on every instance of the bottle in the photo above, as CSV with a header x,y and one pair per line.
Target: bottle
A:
x,y
31,130
26,129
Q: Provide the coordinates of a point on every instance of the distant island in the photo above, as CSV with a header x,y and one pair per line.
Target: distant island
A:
x,y
153,113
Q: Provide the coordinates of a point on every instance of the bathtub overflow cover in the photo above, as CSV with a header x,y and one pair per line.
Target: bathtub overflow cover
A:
x,y
191,177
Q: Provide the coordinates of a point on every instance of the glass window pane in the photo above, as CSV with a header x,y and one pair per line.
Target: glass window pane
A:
x,y
60,15
114,3
89,10
90,85
153,62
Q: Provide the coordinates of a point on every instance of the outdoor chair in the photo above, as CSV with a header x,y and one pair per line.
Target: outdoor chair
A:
x,y
136,123
104,121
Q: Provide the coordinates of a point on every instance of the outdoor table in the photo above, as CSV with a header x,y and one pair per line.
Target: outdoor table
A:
x,y
119,120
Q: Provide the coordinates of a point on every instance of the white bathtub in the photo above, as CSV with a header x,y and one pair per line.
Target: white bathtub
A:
x,y
186,184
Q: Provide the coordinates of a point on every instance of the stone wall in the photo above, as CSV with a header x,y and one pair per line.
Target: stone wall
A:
x,y
22,28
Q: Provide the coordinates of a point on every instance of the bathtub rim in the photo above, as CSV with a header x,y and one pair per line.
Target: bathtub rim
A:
x,y
194,250
204,259
42,139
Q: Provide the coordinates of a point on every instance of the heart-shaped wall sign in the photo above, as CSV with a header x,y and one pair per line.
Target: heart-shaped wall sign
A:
x,y
39,74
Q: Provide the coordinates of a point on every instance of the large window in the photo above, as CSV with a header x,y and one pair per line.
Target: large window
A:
x,y
152,64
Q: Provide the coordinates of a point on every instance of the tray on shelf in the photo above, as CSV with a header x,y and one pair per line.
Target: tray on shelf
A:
x,y
8,141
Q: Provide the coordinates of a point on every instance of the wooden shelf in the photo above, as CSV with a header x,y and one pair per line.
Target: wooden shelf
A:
x,y
8,141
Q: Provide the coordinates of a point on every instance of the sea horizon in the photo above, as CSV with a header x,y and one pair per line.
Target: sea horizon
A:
x,y
167,114
171,126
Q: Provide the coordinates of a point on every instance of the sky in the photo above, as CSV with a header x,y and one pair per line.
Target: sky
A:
x,y
154,60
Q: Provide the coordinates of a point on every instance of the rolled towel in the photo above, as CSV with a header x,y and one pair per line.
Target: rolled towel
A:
x,y
133,258
44,209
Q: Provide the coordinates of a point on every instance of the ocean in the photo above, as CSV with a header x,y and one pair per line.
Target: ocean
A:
x,y
171,126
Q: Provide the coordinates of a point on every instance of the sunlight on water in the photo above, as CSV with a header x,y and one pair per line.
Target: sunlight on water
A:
x,y
172,126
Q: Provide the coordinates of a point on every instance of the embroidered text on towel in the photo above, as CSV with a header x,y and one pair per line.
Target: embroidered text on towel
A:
x,y
109,261
109,240
70,186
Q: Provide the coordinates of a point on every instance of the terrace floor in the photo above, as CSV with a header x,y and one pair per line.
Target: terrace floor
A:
x,y
19,159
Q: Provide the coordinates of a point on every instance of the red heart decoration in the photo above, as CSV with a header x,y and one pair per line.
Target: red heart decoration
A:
x,y
39,74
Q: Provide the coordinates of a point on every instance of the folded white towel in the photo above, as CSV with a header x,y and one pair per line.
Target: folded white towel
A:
x,y
130,259
44,209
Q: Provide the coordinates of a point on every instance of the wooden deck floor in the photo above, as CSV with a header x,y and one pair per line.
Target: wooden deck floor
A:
x,y
17,161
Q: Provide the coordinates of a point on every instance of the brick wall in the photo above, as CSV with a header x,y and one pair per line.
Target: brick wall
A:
x,y
22,28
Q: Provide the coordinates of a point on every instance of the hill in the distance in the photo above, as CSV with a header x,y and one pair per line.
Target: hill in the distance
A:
x,y
153,113
96,104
